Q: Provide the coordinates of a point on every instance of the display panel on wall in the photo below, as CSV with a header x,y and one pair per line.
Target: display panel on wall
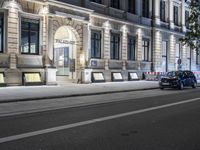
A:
x,y
30,78
2,79
132,76
98,77
116,76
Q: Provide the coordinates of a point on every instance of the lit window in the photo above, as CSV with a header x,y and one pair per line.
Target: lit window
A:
x,y
131,48
1,33
145,50
29,36
114,46
95,44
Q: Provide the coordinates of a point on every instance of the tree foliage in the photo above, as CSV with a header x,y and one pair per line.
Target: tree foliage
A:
x,y
192,36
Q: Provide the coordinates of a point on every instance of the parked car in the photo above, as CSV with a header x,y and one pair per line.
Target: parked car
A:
x,y
178,79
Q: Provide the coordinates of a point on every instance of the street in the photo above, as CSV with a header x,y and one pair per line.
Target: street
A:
x,y
140,120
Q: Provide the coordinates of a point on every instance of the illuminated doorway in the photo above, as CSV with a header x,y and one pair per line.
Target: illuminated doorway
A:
x,y
65,53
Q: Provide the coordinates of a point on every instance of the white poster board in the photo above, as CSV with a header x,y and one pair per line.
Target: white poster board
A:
x,y
133,76
32,77
98,77
117,76
2,78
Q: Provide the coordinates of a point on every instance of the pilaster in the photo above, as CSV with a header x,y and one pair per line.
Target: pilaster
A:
x,y
171,11
172,53
157,54
106,45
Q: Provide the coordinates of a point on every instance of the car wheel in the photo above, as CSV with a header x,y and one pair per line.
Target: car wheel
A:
x,y
194,85
180,86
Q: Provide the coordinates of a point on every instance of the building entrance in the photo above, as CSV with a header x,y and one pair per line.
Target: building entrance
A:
x,y
65,53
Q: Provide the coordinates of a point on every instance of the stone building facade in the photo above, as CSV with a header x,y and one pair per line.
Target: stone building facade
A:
x,y
69,40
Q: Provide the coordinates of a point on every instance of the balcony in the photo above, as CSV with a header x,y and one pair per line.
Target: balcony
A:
x,y
146,21
116,12
164,25
177,28
97,7
133,17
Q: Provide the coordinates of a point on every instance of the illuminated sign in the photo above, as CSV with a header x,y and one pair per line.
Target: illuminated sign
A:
x,y
67,15
133,76
117,76
2,78
32,77
97,77
64,41
93,63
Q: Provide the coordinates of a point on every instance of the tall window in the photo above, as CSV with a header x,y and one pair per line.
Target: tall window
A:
x,y
145,8
176,15
189,58
131,6
29,36
162,10
115,3
114,46
97,1
145,49
1,33
131,48
164,55
186,19
95,44
178,53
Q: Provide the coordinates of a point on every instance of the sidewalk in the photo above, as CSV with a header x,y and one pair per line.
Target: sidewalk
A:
x,y
27,93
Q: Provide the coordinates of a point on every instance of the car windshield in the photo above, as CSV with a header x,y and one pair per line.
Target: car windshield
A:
x,y
174,74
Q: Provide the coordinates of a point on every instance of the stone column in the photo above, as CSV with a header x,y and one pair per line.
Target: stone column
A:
x,y
183,16
86,41
139,44
139,7
156,12
157,52
193,59
106,45
172,53
124,45
50,39
13,75
171,11
13,31
184,53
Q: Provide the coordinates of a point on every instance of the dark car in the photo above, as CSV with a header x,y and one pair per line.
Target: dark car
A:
x,y
178,79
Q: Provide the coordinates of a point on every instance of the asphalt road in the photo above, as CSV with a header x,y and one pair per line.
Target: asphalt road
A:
x,y
160,122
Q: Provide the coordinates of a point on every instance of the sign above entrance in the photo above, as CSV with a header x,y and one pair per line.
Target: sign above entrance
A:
x,y
69,15
65,41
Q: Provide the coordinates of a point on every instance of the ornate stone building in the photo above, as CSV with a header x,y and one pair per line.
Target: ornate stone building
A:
x,y
70,40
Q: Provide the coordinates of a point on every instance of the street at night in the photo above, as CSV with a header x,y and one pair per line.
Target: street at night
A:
x,y
140,120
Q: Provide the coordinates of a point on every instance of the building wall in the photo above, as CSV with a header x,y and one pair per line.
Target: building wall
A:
x,y
82,16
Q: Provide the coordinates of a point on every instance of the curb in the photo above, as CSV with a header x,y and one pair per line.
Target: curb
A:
x,y
72,95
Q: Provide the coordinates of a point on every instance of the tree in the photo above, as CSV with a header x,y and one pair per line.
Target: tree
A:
x,y
192,36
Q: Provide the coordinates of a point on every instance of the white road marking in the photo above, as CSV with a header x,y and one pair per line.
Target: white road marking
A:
x,y
64,127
